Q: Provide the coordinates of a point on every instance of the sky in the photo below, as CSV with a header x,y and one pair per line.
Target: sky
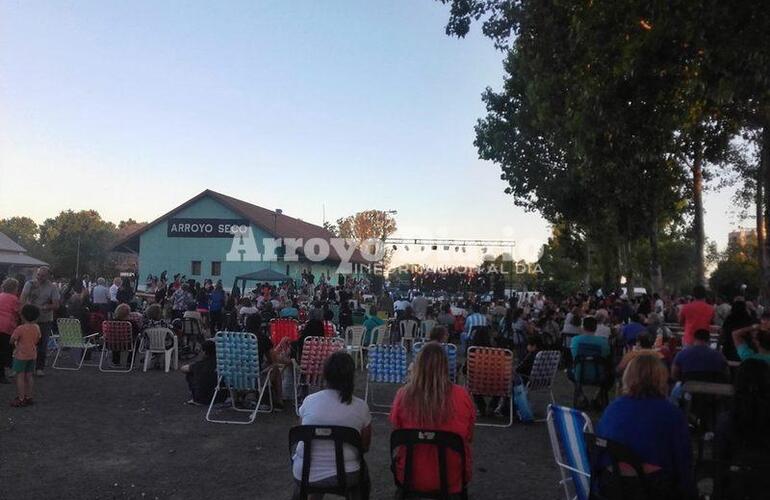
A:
x,y
133,107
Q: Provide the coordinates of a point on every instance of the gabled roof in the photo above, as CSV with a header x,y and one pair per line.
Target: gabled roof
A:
x,y
8,245
14,254
278,225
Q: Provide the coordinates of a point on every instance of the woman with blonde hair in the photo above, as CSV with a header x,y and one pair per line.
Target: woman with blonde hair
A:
x,y
645,421
430,400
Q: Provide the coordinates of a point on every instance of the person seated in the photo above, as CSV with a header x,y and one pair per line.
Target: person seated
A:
x,y
644,345
633,329
753,342
438,334
193,313
599,371
335,405
245,309
370,323
534,346
700,362
276,357
741,435
153,317
290,310
649,425
430,400
201,376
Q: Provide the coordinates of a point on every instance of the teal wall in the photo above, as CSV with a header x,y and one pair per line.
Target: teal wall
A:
x,y
158,252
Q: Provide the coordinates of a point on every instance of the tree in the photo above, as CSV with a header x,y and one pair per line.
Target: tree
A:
x,y
77,242
22,230
737,271
368,225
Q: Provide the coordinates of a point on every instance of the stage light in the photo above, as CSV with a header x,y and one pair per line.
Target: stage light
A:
x,y
457,249
434,247
395,247
406,247
463,249
484,250
446,247
422,249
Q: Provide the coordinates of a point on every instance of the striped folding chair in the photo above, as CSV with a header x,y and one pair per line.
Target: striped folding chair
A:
x,y
238,371
283,327
329,329
117,338
387,365
310,370
71,337
451,353
490,373
543,371
567,428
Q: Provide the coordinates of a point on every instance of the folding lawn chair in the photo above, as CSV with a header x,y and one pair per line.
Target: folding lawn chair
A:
x,y
71,337
566,429
387,365
490,373
239,371
309,371
283,327
117,338
543,371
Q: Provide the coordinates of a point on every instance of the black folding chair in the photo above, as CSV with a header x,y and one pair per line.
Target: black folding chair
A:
x,y
590,369
741,480
618,473
703,402
441,440
340,436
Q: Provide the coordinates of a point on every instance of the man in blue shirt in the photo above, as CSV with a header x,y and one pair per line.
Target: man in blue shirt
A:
x,y
588,343
699,358
632,330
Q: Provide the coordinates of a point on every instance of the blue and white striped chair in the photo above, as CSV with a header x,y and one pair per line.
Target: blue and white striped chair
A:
x,y
387,365
566,428
238,370
451,353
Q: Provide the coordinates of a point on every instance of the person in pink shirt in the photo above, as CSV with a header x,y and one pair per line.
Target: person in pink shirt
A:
x,y
9,318
697,315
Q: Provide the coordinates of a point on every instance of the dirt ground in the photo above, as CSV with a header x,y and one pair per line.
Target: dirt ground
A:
x,y
94,435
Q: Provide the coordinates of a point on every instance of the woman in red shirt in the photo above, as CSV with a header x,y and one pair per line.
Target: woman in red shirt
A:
x,y
430,401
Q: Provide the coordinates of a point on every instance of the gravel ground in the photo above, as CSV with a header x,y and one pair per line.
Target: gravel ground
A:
x,y
94,435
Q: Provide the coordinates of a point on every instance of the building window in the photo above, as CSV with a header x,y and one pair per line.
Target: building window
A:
x,y
216,268
287,270
196,268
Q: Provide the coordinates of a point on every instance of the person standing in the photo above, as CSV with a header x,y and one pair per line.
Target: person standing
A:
x,y
100,296
24,337
114,294
697,315
9,318
43,294
216,304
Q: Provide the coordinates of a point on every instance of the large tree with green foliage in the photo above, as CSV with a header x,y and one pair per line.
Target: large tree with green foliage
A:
x,y
77,241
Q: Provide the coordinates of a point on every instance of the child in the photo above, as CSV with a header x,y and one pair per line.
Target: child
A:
x,y
25,337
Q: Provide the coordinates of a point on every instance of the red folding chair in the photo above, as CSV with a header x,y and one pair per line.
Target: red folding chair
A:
x,y
284,327
490,373
310,370
117,338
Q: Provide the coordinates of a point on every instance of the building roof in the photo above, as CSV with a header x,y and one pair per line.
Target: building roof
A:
x,y
279,225
8,245
11,253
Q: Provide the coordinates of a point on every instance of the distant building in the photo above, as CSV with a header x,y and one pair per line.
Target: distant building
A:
x,y
195,239
740,237
14,259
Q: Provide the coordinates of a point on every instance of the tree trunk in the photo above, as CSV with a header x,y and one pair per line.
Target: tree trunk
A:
x,y
760,229
629,271
697,196
656,273
764,168
588,266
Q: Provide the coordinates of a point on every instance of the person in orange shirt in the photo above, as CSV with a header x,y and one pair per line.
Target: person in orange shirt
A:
x,y
25,338
697,315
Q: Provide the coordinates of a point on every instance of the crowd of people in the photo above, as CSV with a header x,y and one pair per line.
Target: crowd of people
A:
x,y
645,347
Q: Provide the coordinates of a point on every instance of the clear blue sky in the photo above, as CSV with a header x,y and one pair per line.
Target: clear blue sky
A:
x,y
133,107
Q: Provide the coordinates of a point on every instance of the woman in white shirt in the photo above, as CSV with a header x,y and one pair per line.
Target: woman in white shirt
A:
x,y
335,405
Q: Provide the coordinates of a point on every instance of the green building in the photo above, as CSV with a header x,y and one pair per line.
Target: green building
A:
x,y
219,237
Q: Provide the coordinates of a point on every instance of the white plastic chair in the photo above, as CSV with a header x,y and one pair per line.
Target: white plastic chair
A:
x,y
425,327
354,338
156,344
380,335
408,329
